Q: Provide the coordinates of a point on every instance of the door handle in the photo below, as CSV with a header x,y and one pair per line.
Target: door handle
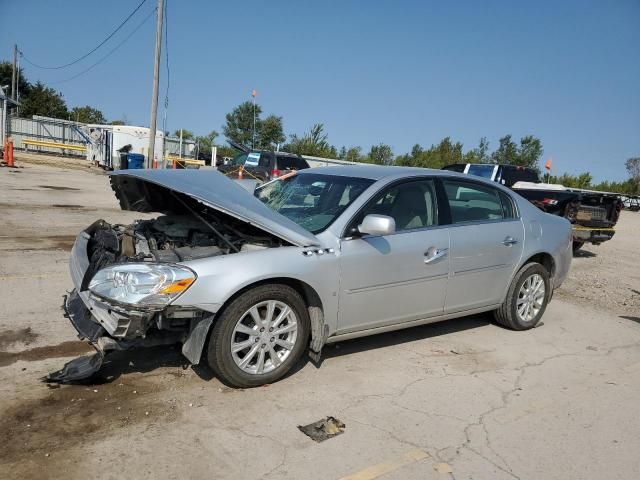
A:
x,y
508,241
433,254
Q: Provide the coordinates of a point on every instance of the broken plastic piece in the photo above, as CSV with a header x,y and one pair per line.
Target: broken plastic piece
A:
x,y
81,368
323,429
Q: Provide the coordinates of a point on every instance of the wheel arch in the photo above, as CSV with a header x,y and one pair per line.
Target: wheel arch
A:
x,y
543,258
311,298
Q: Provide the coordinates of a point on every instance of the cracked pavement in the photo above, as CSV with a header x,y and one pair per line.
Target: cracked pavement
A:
x,y
556,402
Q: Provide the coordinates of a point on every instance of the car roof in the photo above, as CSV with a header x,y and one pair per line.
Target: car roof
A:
x,y
376,172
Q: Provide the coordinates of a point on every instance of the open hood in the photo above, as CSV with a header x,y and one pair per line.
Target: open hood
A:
x,y
149,191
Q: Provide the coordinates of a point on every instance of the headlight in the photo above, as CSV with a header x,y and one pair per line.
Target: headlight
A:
x,y
150,285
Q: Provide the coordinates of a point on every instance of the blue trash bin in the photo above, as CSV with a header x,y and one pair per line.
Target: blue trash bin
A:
x,y
135,160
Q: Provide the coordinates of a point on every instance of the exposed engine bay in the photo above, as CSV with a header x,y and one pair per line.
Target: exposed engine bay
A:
x,y
171,238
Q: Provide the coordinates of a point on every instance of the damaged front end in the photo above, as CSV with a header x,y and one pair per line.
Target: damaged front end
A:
x,y
127,329
103,260
127,278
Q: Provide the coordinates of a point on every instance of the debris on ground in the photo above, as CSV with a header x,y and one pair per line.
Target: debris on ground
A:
x,y
443,468
323,429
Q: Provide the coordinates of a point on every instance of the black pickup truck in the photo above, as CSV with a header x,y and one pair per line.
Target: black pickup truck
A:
x,y
592,214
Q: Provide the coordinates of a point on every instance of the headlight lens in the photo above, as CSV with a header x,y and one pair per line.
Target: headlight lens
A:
x,y
151,285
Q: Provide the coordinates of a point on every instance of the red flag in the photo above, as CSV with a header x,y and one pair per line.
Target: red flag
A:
x,y
253,93
548,165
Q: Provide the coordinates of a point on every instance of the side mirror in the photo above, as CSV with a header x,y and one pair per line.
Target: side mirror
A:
x,y
377,225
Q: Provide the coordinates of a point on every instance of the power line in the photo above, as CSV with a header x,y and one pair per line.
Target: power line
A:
x,y
108,54
90,52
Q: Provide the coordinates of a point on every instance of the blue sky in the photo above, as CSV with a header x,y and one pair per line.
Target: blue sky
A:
x,y
400,72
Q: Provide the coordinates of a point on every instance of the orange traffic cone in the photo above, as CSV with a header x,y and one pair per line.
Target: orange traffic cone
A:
x,y
240,172
8,152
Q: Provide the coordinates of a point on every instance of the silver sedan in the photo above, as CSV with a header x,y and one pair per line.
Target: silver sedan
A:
x,y
250,282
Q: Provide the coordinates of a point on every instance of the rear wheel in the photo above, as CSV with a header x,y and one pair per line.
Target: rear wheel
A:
x,y
527,298
259,336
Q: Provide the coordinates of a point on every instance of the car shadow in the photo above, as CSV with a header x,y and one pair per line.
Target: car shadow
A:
x,y
584,254
146,360
398,337
141,360
629,317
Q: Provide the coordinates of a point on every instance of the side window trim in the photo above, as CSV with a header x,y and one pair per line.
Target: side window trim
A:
x,y
447,207
384,190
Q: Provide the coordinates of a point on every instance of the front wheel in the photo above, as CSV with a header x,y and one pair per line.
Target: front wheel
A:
x,y
577,246
259,336
527,298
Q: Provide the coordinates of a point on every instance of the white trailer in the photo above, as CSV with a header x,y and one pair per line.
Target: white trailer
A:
x,y
106,142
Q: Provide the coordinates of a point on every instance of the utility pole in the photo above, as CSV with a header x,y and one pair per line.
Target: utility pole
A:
x,y
156,79
253,141
17,85
14,73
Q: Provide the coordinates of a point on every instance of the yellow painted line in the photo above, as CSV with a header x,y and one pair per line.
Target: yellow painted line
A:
x,y
376,471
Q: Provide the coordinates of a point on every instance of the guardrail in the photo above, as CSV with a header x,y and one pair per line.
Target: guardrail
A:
x,y
63,146
175,160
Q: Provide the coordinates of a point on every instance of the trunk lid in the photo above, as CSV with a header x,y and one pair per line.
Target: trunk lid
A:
x,y
149,191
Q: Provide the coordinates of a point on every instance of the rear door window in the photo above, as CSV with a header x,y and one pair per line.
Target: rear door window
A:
x,y
472,202
290,163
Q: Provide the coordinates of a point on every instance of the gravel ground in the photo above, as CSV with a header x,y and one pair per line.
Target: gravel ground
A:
x,y
463,399
607,276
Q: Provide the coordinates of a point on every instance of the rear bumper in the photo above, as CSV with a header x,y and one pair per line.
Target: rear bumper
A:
x,y
593,235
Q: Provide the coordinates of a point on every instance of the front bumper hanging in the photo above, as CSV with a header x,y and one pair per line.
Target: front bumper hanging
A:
x,y
81,368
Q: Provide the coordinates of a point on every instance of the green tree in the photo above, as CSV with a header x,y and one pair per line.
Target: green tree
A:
x,y
633,168
437,156
507,152
380,154
117,122
206,142
6,69
351,154
186,134
314,143
239,123
582,180
530,152
227,151
87,114
479,154
45,101
527,154
271,132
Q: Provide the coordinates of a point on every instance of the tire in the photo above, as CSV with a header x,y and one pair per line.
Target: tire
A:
x,y
508,315
577,246
237,325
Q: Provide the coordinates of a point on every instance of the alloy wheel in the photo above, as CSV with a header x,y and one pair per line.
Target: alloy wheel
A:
x,y
530,298
264,337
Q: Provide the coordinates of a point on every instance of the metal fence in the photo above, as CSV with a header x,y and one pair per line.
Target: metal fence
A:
x,y
172,147
50,135
33,135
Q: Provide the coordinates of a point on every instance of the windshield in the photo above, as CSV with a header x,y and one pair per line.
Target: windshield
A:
x,y
484,171
239,159
313,201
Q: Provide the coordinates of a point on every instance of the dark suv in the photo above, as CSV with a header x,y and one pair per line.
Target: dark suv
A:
x,y
263,165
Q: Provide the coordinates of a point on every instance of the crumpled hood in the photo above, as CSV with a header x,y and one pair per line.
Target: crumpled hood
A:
x,y
137,190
